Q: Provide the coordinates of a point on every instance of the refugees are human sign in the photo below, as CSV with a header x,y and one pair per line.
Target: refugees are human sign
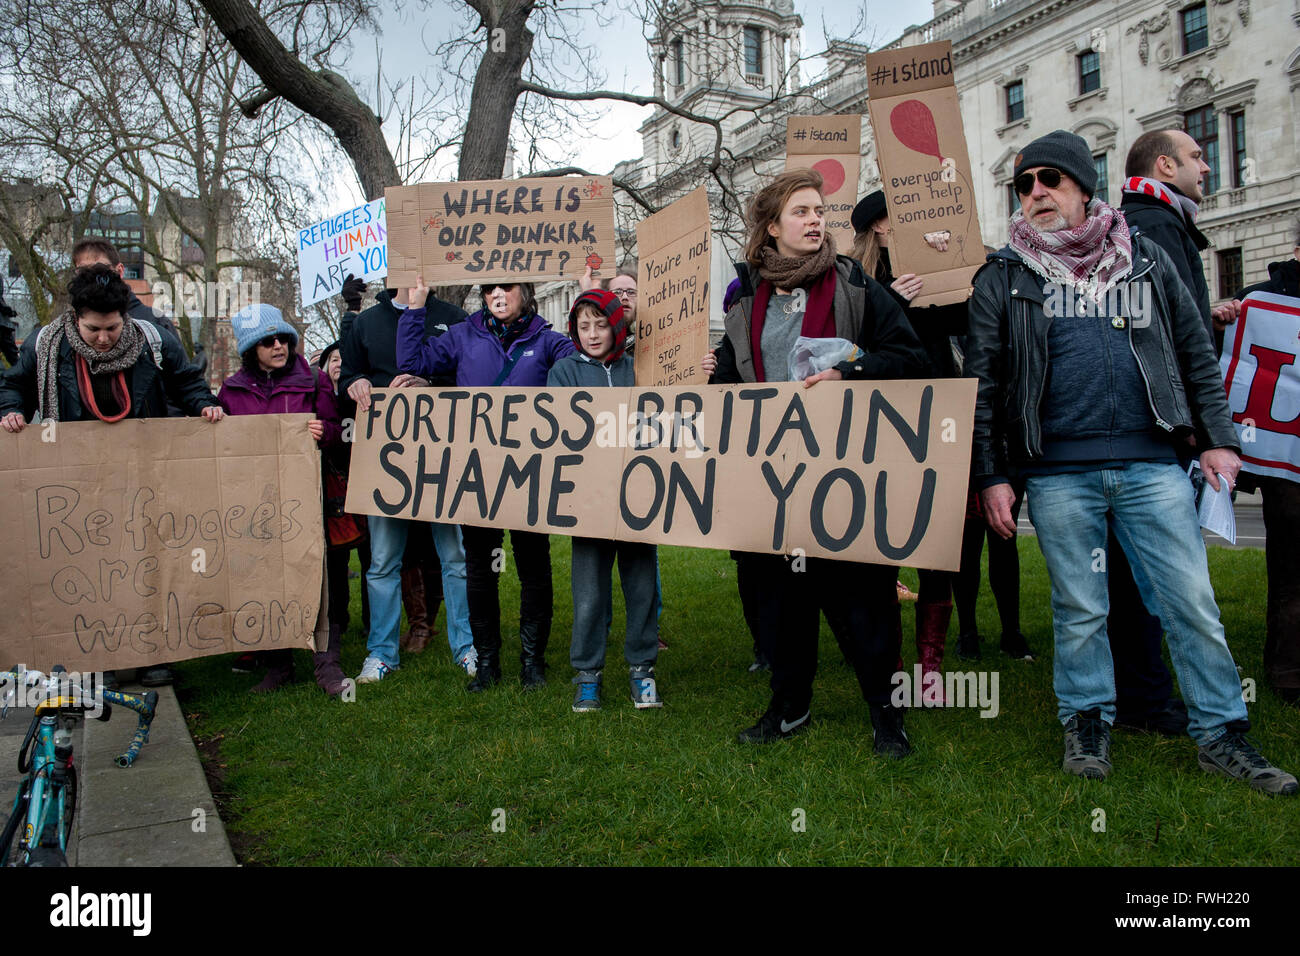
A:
x,y
863,471
158,540
1261,375
353,241
518,230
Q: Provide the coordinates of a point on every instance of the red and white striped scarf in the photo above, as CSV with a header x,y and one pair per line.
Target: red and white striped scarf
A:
x,y
1091,258
1155,188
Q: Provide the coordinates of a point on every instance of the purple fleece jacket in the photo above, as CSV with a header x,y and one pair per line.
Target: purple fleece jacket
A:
x,y
300,388
470,351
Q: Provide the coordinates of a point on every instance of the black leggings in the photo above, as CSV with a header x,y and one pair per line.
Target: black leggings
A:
x,y
1004,572
862,596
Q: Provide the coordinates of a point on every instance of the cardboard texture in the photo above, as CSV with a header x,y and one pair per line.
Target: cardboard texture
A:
x,y
925,169
1262,376
158,540
519,230
676,248
832,145
855,471
352,241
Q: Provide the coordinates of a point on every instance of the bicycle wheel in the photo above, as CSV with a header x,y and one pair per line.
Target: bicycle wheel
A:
x,y
9,838
69,791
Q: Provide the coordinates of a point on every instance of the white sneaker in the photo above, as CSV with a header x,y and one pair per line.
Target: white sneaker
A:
x,y
469,662
373,670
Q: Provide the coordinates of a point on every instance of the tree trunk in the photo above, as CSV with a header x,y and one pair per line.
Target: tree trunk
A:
x,y
496,87
323,94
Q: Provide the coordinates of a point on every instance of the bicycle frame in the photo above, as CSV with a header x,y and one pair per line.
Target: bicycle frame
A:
x,y
51,776
44,775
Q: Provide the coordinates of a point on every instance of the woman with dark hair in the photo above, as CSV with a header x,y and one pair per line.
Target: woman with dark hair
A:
x,y
276,380
791,284
504,343
934,326
95,363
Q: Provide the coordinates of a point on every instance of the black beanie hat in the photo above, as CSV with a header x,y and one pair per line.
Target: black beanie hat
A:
x,y
869,208
1064,151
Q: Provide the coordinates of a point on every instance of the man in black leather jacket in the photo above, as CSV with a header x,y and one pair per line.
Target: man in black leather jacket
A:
x,y
1094,363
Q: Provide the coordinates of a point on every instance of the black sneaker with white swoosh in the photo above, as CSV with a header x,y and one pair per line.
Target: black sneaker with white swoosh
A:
x,y
775,726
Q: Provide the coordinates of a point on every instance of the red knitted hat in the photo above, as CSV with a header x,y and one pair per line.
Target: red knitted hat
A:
x,y
612,307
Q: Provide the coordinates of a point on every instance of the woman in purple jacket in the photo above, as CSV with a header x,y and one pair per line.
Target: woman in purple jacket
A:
x,y
504,343
276,380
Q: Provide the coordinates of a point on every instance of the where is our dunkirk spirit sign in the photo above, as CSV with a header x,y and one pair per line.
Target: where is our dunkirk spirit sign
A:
x,y
519,230
862,471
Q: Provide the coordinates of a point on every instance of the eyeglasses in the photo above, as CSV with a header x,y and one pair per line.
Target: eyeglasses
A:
x,y
624,293
271,341
503,286
1049,177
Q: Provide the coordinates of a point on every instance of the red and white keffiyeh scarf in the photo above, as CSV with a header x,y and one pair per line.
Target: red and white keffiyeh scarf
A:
x,y
1092,257
1158,190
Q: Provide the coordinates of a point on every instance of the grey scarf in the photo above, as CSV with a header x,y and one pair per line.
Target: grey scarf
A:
x,y
119,358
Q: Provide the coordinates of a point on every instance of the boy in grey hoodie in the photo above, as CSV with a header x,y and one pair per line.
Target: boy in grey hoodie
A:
x,y
598,327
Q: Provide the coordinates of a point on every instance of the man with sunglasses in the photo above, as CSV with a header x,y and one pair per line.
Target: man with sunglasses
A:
x,y
1093,365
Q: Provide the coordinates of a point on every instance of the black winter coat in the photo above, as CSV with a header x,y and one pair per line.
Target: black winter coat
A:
x,y
1007,351
865,314
1168,228
151,387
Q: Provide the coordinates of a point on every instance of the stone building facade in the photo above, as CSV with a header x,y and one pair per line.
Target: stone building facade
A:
x,y
1228,71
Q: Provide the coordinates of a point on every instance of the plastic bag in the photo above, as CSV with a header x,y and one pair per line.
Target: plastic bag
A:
x,y
810,356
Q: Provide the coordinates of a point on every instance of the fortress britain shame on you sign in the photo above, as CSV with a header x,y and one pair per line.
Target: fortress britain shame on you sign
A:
x,y
519,230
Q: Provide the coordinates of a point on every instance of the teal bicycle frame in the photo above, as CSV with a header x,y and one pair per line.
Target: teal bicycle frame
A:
x,y
46,800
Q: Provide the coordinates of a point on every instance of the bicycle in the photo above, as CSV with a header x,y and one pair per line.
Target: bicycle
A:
x,y
47,799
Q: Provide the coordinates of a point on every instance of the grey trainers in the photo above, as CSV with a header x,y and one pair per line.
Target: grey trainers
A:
x,y
1087,746
587,695
1234,756
645,694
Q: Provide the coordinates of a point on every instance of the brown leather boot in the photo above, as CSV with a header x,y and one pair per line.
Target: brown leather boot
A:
x,y
416,639
931,634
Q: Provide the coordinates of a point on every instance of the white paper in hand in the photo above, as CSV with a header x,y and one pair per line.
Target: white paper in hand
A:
x,y
1215,508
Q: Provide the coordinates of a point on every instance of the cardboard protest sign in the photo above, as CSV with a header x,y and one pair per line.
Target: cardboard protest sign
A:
x,y
675,245
159,540
921,150
1262,377
519,230
866,471
353,241
832,145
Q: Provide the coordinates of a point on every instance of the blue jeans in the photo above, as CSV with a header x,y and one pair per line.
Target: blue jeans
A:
x,y
384,583
451,553
1150,506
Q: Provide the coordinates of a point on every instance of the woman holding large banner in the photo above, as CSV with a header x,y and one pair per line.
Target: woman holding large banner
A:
x,y
275,379
504,343
95,363
793,285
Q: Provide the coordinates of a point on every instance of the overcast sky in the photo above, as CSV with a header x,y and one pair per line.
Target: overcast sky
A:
x,y
406,36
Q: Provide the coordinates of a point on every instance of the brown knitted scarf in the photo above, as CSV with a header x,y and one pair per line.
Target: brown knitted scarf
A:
x,y
797,272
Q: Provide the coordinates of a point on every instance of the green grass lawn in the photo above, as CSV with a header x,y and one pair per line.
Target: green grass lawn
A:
x,y
416,771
